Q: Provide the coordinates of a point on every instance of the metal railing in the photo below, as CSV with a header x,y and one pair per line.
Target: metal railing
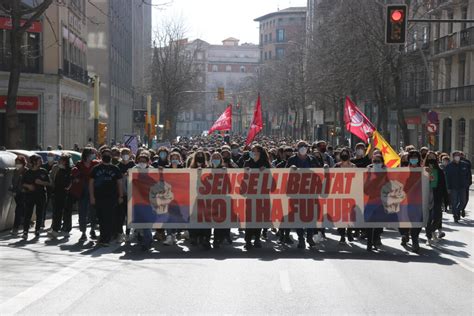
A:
x,y
467,37
452,95
75,72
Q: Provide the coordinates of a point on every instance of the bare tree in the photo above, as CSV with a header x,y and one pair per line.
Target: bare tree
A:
x,y
22,18
175,72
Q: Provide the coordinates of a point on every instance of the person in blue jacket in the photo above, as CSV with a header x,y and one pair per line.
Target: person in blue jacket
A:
x,y
458,177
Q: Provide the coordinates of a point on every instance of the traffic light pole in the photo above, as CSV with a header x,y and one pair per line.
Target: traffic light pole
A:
x,y
441,21
96,109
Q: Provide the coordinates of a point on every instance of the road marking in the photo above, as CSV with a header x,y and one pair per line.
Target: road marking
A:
x,y
285,281
40,289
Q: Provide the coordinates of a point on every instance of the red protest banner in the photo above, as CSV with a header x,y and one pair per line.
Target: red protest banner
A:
x,y
191,198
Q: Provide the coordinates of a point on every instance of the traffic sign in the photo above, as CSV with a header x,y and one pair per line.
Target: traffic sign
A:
x,y
431,128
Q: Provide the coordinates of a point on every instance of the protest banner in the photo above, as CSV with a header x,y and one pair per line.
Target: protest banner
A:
x,y
280,198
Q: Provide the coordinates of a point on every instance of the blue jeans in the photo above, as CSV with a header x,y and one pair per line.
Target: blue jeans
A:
x,y
86,212
458,201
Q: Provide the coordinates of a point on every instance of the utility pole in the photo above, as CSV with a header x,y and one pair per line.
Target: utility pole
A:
x,y
96,109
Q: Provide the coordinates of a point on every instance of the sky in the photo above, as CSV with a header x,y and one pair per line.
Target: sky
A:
x,y
216,20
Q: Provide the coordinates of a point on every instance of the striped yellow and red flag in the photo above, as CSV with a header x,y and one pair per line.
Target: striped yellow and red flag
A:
x,y
390,156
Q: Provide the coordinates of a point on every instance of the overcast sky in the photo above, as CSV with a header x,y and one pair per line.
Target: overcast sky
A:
x,y
215,20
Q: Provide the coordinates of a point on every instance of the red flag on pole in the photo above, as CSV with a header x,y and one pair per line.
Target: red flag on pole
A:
x,y
356,122
257,122
224,122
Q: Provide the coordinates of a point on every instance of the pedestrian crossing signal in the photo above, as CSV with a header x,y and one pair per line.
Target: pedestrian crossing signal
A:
x,y
396,24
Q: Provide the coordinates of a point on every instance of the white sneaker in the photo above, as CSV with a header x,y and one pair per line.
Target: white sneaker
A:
x,y
318,238
128,238
120,238
186,234
14,232
428,242
170,240
435,238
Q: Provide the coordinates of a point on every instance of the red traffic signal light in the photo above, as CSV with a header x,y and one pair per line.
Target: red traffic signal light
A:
x,y
396,24
396,16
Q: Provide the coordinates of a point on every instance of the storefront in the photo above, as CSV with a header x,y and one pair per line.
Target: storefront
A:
x,y
27,108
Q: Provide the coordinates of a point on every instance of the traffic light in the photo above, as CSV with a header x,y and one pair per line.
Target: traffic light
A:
x,y
220,94
102,137
396,24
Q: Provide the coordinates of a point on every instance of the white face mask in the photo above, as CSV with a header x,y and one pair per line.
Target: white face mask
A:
x,y
360,152
61,166
50,159
125,157
302,151
457,158
18,166
142,165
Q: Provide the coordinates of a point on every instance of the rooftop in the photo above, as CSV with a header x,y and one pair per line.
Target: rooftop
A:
x,y
290,10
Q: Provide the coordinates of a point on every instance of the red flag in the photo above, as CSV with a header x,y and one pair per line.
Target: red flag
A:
x,y
224,122
356,122
257,122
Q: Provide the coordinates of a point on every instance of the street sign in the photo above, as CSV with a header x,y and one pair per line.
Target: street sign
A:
x,y
431,128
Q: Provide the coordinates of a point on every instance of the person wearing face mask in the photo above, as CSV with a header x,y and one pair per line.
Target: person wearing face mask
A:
x,y
361,160
162,158
106,192
35,181
321,146
376,168
18,192
345,162
458,176
199,236
175,163
303,160
83,173
438,195
115,156
258,159
404,159
227,161
220,234
48,166
125,164
414,161
423,153
62,212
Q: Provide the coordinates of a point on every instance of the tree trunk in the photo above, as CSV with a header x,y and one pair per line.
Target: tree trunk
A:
x,y
12,126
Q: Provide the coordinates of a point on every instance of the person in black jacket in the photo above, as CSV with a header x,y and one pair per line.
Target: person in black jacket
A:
x,y
35,182
302,160
438,195
258,160
464,159
18,192
459,177
62,211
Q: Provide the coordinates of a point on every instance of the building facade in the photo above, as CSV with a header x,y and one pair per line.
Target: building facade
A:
x,y
53,95
119,45
230,66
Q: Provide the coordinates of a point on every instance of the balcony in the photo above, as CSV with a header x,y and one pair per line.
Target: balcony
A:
x,y
450,96
446,43
75,72
467,37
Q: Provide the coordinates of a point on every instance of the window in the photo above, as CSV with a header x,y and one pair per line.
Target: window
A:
x,y
266,55
464,17
270,39
280,35
214,68
280,53
228,68
450,25
461,70
199,56
461,134
415,40
266,38
425,35
270,55
242,69
261,39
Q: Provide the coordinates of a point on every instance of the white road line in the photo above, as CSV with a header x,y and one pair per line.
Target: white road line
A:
x,y
285,281
40,289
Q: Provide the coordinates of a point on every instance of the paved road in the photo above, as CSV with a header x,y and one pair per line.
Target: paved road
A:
x,y
64,277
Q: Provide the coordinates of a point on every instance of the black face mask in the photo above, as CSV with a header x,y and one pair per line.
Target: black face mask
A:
x,y
344,157
322,149
106,159
200,159
404,164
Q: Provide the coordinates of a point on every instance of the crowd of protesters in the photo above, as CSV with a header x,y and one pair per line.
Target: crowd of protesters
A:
x,y
96,187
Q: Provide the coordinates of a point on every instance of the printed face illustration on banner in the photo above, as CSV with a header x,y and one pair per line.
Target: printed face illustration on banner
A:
x,y
160,198
393,197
